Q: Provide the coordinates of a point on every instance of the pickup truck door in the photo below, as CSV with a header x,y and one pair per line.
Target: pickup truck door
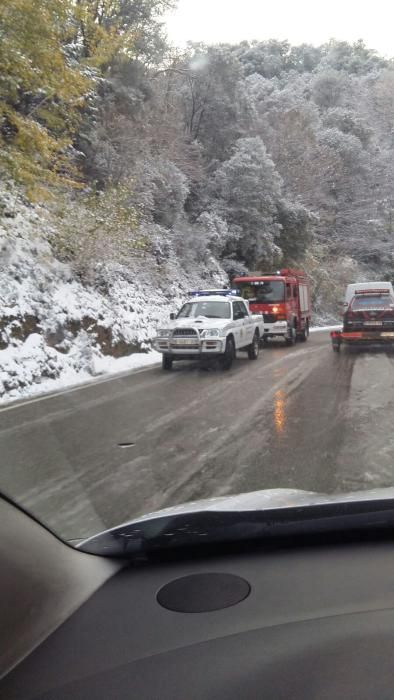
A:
x,y
238,324
248,325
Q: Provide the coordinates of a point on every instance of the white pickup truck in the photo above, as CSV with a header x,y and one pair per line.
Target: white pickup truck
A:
x,y
210,326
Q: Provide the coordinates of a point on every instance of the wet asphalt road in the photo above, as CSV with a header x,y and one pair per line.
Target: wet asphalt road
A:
x,y
301,417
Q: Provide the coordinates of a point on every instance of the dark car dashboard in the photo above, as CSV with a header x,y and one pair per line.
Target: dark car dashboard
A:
x,y
292,622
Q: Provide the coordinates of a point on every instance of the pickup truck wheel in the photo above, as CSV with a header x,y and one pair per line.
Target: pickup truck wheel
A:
x,y
253,349
228,356
166,362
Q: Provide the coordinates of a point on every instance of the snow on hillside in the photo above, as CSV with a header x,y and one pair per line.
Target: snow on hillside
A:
x,y
55,331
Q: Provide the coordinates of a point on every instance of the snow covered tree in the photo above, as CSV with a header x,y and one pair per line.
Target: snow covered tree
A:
x,y
297,227
99,229
349,122
217,233
329,88
353,58
214,112
267,58
247,189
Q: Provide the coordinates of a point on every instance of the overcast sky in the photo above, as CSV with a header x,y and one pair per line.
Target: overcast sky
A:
x,y
311,21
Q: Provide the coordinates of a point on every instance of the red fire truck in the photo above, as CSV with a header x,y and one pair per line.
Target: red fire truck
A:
x,y
283,298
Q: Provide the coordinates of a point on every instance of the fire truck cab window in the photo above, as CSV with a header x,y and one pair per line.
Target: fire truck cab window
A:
x,y
288,291
262,292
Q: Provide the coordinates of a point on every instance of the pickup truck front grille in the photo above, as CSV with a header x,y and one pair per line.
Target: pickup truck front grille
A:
x,y
185,332
185,339
269,318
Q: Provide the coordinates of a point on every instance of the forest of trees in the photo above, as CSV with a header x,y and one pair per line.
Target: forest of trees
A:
x,y
258,153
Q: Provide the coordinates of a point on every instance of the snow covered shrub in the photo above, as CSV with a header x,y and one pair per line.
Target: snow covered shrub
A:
x,y
98,227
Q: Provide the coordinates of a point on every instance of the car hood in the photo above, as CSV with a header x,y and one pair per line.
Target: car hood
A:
x,y
242,516
199,322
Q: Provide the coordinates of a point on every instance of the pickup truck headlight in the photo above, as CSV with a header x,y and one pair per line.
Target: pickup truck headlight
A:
x,y
163,333
211,333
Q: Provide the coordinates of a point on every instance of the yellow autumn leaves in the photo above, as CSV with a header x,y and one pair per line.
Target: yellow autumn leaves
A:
x,y
51,53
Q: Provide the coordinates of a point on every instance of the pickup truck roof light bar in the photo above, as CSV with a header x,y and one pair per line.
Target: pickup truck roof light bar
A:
x,y
213,292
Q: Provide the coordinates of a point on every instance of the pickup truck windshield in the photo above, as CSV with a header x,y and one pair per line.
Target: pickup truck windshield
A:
x,y
210,309
262,292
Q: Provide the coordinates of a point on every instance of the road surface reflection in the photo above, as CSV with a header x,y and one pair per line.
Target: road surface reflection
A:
x,y
279,411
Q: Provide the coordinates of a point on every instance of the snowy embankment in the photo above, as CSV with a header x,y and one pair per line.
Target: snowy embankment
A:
x,y
26,363
55,331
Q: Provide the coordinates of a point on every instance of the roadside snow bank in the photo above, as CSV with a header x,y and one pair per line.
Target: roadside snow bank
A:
x,y
316,329
31,383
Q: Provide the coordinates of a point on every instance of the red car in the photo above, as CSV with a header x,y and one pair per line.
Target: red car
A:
x,y
369,318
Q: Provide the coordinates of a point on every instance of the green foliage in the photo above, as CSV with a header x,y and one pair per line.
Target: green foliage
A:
x,y
51,55
34,157
109,28
31,55
40,93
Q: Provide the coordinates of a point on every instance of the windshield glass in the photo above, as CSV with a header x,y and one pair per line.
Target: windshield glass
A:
x,y
370,303
209,309
262,292
154,155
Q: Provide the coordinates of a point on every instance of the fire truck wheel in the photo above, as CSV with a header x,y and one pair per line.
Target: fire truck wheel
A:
x,y
304,333
228,356
253,349
291,336
166,362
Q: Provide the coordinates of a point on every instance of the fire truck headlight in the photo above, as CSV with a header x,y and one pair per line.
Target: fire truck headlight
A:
x,y
275,309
